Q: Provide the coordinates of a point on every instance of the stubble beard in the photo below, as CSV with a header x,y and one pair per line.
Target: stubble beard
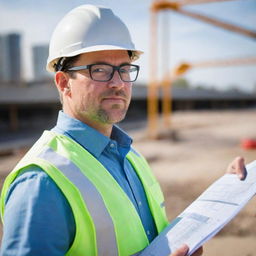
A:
x,y
105,115
108,116
116,113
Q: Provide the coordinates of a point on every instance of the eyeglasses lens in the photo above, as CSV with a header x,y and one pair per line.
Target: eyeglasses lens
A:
x,y
105,72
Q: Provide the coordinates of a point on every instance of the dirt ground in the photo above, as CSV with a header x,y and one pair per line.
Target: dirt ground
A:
x,y
200,148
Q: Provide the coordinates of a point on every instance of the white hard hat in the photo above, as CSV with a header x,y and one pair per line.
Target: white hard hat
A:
x,y
89,28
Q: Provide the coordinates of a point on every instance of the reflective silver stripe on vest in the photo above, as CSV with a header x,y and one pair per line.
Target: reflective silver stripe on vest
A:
x,y
105,232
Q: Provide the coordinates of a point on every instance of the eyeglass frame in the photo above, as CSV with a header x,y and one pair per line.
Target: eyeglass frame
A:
x,y
115,68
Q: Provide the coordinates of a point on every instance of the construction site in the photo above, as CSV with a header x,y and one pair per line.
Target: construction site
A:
x,y
188,136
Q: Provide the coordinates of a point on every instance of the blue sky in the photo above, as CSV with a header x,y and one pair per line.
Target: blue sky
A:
x,y
190,40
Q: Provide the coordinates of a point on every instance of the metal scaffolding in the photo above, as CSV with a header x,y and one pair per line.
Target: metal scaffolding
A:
x,y
164,83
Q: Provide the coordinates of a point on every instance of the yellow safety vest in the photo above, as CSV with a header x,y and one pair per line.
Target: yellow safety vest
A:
x,y
107,222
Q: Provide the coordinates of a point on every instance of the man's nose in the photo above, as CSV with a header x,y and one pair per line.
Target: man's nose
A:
x,y
116,80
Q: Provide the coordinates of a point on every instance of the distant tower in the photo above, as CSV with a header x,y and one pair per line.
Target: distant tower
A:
x,y
14,55
10,58
4,60
40,54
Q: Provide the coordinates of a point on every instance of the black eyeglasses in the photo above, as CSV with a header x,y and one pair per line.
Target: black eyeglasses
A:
x,y
105,72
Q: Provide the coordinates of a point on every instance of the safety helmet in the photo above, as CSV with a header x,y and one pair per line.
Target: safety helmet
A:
x,y
89,28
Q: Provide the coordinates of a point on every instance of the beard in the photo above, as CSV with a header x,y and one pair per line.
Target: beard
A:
x,y
109,118
107,113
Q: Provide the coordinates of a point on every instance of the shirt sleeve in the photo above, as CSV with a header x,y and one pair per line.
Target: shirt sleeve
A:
x,y
38,219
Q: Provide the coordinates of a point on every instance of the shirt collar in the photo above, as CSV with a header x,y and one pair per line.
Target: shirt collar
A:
x,y
89,138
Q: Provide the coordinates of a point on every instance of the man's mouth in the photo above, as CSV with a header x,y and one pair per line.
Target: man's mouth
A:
x,y
114,99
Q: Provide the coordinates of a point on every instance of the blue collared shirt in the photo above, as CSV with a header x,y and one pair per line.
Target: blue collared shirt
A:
x,y
38,219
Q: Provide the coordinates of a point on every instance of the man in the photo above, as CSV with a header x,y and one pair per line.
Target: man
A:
x,y
82,189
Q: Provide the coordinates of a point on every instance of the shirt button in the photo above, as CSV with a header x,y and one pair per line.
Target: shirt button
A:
x,y
112,145
140,203
148,232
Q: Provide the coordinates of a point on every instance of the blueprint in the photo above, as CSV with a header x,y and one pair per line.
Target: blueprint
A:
x,y
207,215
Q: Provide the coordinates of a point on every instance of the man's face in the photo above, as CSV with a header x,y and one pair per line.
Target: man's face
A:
x,y
100,103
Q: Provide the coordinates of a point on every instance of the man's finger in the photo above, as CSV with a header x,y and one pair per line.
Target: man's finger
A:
x,y
237,167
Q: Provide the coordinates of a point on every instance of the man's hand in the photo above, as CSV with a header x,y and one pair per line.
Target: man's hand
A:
x,y
183,250
237,167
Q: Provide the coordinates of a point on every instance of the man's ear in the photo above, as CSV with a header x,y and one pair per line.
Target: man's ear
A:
x,y
62,82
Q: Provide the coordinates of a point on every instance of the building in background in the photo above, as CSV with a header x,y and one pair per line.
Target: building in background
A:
x,y
40,54
4,60
15,57
10,58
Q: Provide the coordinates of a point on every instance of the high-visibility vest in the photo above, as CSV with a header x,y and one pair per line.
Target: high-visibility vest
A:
x,y
107,222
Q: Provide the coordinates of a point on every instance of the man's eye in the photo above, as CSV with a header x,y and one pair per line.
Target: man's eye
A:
x,y
99,70
132,69
123,70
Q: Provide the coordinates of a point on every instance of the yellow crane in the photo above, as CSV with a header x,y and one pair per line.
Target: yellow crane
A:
x,y
165,83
